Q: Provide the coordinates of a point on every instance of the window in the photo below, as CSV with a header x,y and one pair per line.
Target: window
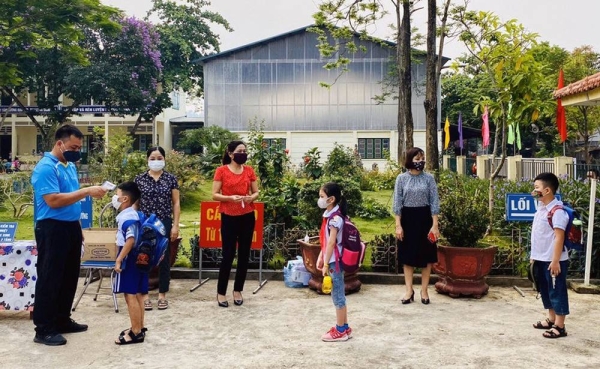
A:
x,y
272,143
373,148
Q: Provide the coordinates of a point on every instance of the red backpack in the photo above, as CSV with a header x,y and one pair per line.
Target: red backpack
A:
x,y
353,249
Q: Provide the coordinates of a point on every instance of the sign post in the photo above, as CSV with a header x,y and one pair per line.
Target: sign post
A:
x,y
210,235
521,207
7,231
86,212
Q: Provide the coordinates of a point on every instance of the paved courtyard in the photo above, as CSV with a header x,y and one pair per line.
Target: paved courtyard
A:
x,y
280,327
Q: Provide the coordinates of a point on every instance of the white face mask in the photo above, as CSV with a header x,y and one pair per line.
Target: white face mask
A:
x,y
322,202
115,202
156,165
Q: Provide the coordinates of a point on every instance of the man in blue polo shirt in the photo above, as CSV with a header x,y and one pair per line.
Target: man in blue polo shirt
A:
x,y
58,236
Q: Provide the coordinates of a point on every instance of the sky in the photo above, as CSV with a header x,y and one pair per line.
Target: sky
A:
x,y
568,24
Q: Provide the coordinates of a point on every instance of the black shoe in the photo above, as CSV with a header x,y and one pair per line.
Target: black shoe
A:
x,y
51,339
408,301
222,304
424,301
238,302
72,327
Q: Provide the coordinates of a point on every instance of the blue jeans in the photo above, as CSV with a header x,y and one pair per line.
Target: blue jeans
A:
x,y
554,297
338,290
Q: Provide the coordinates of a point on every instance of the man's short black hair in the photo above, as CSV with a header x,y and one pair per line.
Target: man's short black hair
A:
x,y
130,189
549,180
67,130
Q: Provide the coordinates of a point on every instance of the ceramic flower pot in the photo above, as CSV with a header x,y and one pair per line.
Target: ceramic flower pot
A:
x,y
462,270
310,254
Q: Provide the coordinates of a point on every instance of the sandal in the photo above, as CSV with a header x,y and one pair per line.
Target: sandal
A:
x,y
147,305
540,325
163,304
126,331
134,338
551,333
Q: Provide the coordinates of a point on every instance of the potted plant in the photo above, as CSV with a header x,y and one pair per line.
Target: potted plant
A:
x,y
462,265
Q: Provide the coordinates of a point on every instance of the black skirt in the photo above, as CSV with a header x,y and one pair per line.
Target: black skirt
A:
x,y
415,249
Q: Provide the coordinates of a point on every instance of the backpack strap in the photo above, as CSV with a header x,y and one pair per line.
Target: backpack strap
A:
x,y
551,213
335,249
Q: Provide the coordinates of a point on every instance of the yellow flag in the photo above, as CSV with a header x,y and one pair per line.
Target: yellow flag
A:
x,y
447,134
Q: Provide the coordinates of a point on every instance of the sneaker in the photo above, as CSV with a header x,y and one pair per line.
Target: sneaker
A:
x,y
349,332
72,327
51,339
333,335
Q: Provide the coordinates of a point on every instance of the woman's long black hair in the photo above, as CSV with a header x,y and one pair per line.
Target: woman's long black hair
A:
x,y
231,148
332,189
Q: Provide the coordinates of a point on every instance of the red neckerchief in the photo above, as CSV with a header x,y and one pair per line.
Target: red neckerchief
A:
x,y
323,236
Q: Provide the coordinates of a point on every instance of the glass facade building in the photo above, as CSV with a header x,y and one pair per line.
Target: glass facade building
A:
x,y
277,80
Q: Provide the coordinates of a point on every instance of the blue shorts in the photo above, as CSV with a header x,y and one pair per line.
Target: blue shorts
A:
x,y
338,290
554,296
131,280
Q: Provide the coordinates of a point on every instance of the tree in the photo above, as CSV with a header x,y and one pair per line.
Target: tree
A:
x,y
343,20
199,139
583,62
502,50
39,39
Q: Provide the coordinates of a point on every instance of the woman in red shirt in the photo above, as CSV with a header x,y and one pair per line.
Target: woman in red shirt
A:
x,y
236,188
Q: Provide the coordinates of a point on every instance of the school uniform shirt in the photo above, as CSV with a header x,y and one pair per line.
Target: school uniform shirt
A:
x,y
122,217
51,176
157,196
336,222
542,235
235,184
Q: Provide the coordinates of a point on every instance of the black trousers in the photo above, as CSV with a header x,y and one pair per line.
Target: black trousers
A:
x,y
164,268
235,230
59,256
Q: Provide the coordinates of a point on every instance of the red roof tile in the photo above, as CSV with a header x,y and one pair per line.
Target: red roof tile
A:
x,y
583,85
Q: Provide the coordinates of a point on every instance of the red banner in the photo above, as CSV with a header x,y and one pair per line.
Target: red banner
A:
x,y
210,225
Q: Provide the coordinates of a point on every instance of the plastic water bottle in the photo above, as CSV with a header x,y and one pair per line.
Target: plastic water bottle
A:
x,y
306,238
326,288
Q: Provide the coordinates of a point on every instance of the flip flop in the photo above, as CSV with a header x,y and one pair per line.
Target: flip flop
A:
x,y
163,304
147,305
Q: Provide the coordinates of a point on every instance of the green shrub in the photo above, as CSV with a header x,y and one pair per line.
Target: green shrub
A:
x,y
376,181
308,210
371,209
343,162
312,167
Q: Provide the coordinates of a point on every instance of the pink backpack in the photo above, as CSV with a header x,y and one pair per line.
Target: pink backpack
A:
x,y
353,249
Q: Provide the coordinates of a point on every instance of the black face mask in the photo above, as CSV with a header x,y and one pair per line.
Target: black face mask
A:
x,y
419,165
72,156
240,157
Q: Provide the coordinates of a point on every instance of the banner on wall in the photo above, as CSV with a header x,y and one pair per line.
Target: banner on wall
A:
x,y
210,225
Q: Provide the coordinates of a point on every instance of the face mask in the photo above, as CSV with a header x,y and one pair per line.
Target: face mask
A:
x,y
322,203
72,156
419,165
537,194
156,165
115,202
240,157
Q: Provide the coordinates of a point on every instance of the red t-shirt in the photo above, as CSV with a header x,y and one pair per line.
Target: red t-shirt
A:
x,y
235,184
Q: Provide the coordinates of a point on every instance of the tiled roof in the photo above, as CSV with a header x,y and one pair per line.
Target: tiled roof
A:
x,y
583,85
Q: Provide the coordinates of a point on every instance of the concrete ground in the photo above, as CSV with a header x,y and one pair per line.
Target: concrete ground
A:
x,y
280,327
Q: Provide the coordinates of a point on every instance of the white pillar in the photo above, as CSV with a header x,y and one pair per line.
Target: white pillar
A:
x,y
168,136
14,139
106,133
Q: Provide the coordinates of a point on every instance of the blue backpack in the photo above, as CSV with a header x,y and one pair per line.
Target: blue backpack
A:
x,y
573,233
151,241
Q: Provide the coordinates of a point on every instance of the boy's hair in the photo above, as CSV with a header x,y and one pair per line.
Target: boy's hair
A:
x,y
130,189
549,180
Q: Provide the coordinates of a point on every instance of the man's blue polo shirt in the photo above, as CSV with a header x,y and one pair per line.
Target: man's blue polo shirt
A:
x,y
52,176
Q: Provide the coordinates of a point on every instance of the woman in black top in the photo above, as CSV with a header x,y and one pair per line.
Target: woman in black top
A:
x,y
160,196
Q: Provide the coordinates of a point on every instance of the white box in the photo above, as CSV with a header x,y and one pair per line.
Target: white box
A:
x,y
300,276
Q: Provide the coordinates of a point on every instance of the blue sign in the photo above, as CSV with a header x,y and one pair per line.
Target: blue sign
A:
x,y
7,231
86,212
521,207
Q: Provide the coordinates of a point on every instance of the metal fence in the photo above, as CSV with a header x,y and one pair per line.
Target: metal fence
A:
x,y
280,245
581,171
531,167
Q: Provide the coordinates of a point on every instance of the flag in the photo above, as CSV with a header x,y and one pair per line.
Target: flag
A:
x,y
485,128
460,133
561,119
511,135
518,133
446,134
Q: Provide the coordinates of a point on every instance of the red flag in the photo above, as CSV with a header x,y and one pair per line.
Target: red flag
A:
x,y
561,119
485,128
